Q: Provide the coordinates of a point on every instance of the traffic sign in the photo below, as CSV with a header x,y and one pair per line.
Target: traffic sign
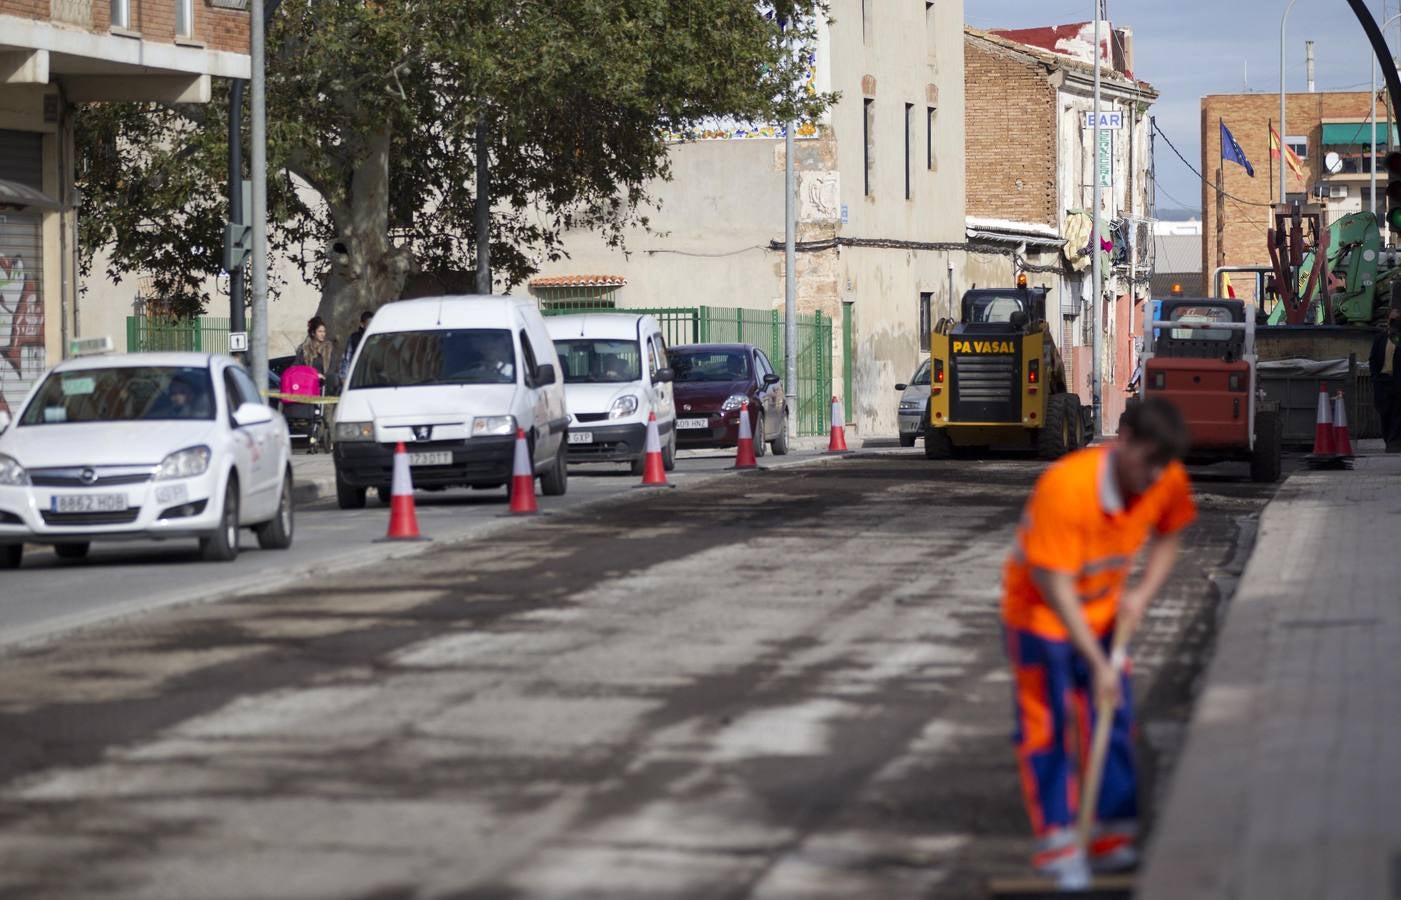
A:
x,y
238,342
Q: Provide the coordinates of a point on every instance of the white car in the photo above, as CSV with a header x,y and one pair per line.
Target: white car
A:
x,y
144,446
616,376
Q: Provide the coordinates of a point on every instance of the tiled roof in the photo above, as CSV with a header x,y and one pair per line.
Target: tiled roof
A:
x,y
559,281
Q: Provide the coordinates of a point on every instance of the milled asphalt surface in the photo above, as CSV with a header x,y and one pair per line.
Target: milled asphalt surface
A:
x,y
778,685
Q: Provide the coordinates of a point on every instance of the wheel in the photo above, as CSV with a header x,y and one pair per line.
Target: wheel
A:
x,y
1057,435
907,440
222,545
760,446
554,481
669,451
72,551
638,464
1265,463
11,555
277,533
348,496
937,444
384,494
780,443
1077,420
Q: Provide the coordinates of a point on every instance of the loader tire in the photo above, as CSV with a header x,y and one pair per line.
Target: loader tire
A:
x,y
1062,426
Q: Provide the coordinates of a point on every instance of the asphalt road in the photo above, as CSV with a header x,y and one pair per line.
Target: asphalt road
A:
x,y
779,685
48,596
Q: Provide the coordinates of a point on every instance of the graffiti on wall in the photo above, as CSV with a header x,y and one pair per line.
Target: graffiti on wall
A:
x,y
22,358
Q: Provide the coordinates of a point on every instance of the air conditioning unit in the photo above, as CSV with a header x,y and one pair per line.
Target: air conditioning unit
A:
x,y
1330,191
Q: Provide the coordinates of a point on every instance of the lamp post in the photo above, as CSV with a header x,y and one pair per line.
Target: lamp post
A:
x,y
1282,130
1097,326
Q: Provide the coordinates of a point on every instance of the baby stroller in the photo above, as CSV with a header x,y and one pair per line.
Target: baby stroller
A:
x,y
305,420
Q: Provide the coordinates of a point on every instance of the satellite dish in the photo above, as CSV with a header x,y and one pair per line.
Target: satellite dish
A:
x,y
1333,163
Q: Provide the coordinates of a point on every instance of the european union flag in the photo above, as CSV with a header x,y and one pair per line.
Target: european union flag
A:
x,y
1232,152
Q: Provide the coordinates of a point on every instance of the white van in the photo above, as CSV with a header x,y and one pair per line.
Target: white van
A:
x,y
453,378
616,374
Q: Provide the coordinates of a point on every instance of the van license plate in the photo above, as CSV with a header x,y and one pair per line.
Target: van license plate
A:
x,y
581,437
692,423
88,503
431,459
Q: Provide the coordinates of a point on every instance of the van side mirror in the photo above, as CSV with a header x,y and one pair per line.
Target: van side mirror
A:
x,y
252,414
771,379
545,374
901,386
664,376
4,420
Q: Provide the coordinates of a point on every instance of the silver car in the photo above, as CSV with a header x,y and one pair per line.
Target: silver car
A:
x,y
914,405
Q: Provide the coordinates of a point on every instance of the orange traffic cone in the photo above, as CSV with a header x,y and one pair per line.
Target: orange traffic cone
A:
x,y
1323,449
838,442
1342,439
744,450
523,479
654,472
403,520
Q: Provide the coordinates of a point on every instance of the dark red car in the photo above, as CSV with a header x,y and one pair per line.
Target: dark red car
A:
x,y
711,383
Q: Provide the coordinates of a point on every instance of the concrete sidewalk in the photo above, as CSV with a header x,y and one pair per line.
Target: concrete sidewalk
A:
x,y
1290,781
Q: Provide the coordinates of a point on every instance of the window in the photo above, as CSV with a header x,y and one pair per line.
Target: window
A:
x,y
1300,145
597,361
121,14
714,366
909,149
528,361
660,343
652,364
868,136
246,387
929,140
184,18
926,322
765,368
447,356
122,394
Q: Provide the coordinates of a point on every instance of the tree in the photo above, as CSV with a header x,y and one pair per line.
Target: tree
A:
x,y
375,106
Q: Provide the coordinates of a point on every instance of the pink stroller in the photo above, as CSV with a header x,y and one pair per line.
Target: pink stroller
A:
x,y
305,420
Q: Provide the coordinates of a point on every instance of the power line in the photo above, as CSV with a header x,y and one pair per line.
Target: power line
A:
x,y
1197,173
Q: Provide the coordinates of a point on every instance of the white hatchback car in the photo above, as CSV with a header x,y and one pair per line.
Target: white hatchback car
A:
x,y
144,446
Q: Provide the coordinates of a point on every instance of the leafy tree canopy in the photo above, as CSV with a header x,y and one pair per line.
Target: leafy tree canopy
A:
x,y
375,105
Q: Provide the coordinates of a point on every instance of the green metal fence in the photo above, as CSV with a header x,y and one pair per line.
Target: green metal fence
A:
x,y
762,328
206,334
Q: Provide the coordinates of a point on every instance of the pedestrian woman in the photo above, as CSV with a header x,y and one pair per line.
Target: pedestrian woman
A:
x,y
318,351
1385,393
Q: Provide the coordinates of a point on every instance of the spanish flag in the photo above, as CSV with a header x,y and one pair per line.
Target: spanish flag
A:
x,y
1290,157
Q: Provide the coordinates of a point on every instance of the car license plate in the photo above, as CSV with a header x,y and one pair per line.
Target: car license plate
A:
x,y
443,458
692,423
88,503
581,437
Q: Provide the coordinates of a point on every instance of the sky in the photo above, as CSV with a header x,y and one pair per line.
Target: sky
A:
x,y
1189,48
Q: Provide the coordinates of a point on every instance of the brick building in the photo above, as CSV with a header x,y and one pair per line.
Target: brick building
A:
x,y
1234,226
1030,156
53,54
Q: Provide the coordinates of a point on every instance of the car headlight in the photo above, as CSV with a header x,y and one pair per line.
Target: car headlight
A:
x,y
909,406
488,426
625,405
185,463
12,473
734,402
355,431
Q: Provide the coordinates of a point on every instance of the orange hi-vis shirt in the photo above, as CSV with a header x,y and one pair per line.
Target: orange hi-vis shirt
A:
x,y
1076,522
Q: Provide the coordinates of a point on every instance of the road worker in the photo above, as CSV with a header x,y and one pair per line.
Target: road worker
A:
x,y
1066,592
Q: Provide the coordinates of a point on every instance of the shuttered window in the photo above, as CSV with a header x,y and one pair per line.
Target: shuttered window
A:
x,y
22,359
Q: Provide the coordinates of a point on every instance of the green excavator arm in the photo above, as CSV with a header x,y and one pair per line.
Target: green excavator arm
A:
x,y
1359,284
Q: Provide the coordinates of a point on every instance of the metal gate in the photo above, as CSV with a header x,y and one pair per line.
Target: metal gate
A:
x,y
762,328
206,334
22,354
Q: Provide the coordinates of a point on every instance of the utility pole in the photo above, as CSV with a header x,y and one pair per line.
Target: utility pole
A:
x,y
1283,131
237,214
790,282
1308,64
259,342
483,210
1097,378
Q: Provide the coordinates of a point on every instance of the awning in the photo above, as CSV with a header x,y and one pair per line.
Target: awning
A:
x,y
12,193
1353,134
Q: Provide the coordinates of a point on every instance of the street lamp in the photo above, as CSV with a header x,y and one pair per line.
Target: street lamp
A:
x,y
1282,130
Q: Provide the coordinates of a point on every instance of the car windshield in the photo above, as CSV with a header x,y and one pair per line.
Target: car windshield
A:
x,y
588,361
442,356
709,366
990,309
1201,315
921,374
122,394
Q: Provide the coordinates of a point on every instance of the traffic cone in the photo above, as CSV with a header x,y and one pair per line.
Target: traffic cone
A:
x,y
654,472
1342,439
838,442
1323,448
523,479
403,520
744,450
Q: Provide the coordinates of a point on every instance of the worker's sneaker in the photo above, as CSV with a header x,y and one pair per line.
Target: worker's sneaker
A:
x,y
1060,857
1114,847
